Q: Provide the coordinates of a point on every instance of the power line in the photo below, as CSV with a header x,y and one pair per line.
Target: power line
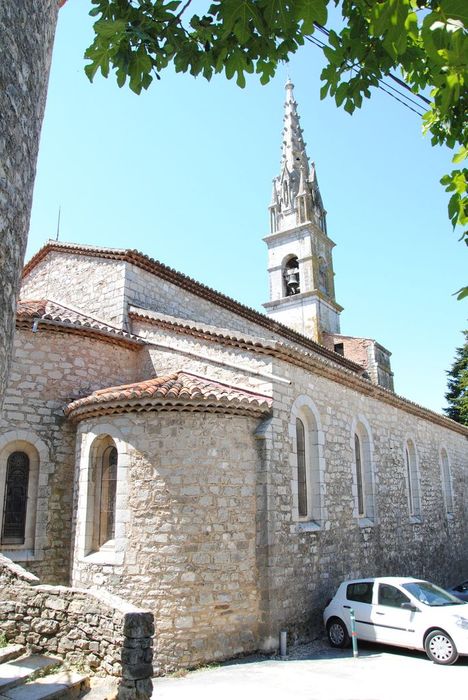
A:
x,y
402,99
393,77
390,87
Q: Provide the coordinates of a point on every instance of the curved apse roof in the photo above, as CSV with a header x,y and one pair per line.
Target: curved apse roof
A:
x,y
179,391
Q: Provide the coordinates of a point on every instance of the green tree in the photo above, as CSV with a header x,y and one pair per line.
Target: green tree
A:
x,y
457,394
425,41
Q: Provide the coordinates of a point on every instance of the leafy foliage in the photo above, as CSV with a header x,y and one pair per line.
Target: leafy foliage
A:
x,y
457,394
425,40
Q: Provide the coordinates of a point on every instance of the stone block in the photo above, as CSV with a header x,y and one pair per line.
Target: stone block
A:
x,y
139,624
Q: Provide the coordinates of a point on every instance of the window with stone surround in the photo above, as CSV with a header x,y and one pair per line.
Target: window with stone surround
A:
x,y
19,472
308,485
363,473
15,498
446,481
102,493
412,480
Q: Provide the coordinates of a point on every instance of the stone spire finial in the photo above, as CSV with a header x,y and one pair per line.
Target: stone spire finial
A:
x,y
294,152
296,197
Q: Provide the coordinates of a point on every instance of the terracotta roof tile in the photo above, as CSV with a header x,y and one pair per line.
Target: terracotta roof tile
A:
x,y
144,262
181,391
242,340
45,311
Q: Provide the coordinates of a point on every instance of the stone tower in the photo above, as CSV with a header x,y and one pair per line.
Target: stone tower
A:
x,y
300,264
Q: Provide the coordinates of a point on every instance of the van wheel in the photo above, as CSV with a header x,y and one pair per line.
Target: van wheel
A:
x,y
337,633
440,648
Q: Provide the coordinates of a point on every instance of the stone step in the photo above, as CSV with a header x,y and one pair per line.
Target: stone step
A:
x,y
12,651
13,673
65,685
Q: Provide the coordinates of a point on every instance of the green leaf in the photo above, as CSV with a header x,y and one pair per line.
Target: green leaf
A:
x,y
461,155
109,29
462,293
237,17
456,9
91,69
310,11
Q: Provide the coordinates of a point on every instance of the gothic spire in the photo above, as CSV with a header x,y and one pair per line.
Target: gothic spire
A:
x,y
296,197
294,151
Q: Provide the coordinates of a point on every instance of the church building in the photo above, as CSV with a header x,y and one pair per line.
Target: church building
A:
x,y
222,467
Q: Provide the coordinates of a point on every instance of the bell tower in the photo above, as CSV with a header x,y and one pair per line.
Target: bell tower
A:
x,y
300,264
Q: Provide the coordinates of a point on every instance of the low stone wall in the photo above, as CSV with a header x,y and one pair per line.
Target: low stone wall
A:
x,y
90,628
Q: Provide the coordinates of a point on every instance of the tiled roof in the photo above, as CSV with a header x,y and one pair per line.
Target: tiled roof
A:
x,y
298,356
245,341
180,391
168,274
43,312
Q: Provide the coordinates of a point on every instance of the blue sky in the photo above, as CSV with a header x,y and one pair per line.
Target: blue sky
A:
x,y
183,173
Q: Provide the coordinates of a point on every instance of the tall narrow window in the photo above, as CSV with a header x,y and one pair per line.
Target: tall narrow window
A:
x,y
446,482
410,488
363,473
301,469
359,479
15,499
412,478
308,464
108,487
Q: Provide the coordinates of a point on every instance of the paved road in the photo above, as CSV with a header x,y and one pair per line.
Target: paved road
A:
x,y
315,672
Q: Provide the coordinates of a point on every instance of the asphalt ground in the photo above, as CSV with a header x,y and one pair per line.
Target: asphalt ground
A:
x,y
317,672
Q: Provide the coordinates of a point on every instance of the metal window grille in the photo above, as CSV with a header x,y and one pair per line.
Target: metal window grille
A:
x,y
16,498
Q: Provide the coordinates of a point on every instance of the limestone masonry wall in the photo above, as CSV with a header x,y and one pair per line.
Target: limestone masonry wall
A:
x,y
147,291
48,369
306,564
225,364
189,525
90,628
96,288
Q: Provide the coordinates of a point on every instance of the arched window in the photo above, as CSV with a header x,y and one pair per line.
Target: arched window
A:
x,y
359,475
364,508
23,516
107,496
412,480
308,465
103,492
291,277
15,498
446,481
301,469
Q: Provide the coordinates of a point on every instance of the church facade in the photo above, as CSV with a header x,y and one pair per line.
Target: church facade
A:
x,y
222,467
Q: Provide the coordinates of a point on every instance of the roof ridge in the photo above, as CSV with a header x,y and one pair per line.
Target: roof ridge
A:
x,y
172,275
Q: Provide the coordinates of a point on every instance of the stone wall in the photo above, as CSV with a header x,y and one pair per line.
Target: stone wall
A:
x,y
93,629
174,351
106,287
48,369
148,291
186,509
304,564
97,287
